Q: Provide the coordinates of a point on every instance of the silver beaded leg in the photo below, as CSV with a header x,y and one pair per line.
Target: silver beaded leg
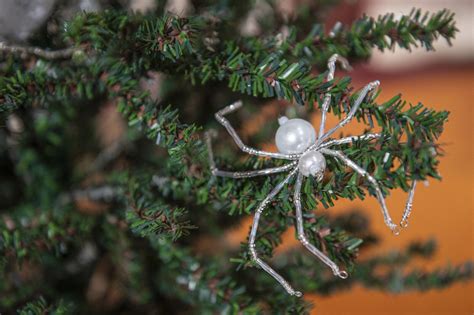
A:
x,y
408,206
247,174
378,191
224,122
253,234
365,91
243,174
302,236
369,136
327,98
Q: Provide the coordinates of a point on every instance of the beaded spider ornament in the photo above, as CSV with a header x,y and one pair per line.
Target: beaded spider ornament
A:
x,y
298,142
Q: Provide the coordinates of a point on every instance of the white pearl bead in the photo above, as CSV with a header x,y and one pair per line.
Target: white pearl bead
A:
x,y
312,163
294,135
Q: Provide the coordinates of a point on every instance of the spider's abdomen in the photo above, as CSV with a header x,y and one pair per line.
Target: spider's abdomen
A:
x,y
294,135
312,163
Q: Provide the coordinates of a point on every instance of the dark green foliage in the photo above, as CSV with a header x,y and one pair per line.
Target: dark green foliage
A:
x,y
40,306
153,199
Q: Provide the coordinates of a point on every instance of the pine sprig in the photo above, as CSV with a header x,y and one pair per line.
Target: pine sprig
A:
x,y
356,41
30,234
171,37
385,32
396,278
146,216
40,307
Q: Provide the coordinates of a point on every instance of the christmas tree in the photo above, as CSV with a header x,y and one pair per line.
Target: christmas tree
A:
x,y
90,198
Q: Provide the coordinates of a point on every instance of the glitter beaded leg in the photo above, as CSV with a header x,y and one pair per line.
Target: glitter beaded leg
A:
x,y
302,236
351,139
327,98
242,174
253,235
369,88
224,122
378,192
408,206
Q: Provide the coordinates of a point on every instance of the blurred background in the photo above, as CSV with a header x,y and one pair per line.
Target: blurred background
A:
x,y
443,80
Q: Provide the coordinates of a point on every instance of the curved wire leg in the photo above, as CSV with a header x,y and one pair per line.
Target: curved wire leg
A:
x,y
365,91
378,192
408,206
302,236
368,136
371,136
327,98
224,122
242,174
253,235
248,174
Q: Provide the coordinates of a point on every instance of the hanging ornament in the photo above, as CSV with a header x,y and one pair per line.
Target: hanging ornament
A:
x,y
298,142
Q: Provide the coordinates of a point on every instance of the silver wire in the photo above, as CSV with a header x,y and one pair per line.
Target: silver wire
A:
x,y
224,122
253,235
351,139
241,174
248,174
302,236
378,192
408,206
327,97
368,88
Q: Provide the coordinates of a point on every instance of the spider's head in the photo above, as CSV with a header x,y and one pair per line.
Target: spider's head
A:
x,y
312,163
294,135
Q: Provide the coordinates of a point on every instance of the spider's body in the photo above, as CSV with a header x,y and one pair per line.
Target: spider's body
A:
x,y
298,142
312,163
297,136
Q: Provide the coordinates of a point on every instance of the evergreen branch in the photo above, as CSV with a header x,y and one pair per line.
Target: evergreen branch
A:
x,y
201,282
418,280
384,272
148,218
171,37
41,307
356,41
385,32
158,220
269,76
30,234
335,243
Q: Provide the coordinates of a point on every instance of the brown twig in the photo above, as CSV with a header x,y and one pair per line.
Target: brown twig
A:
x,y
39,52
